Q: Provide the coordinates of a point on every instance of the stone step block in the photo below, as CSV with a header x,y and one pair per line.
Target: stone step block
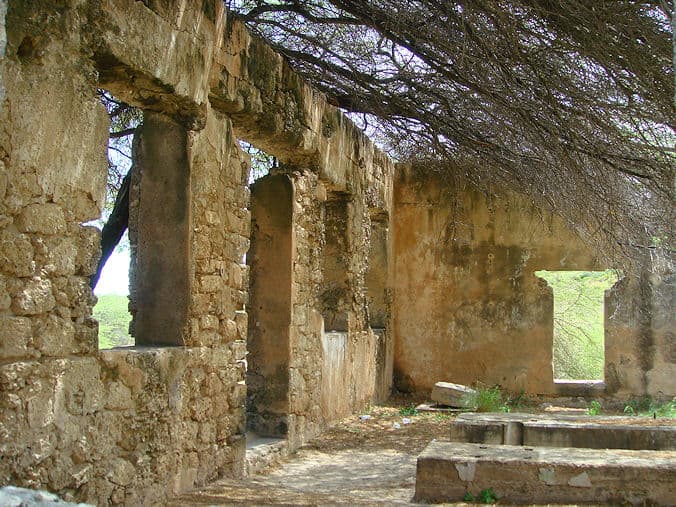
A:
x,y
449,394
447,471
606,432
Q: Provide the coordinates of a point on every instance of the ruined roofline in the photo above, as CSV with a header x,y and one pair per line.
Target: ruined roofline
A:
x,y
234,73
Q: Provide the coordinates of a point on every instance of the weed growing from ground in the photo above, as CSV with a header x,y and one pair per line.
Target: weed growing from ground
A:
x,y
484,496
408,410
646,406
486,399
594,408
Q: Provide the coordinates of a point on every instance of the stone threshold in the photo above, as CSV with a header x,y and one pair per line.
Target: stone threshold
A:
x,y
564,430
263,452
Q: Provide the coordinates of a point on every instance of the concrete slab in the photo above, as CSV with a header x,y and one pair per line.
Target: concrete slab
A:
x,y
605,432
446,471
452,395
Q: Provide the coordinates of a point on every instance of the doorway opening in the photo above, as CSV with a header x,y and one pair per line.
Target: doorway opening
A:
x,y
578,351
270,261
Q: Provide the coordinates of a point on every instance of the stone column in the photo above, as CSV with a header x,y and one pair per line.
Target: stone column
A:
x,y
271,261
159,233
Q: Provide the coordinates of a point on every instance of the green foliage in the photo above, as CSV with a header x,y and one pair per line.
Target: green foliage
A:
x,y
646,406
594,408
578,352
408,410
487,399
519,401
113,316
485,496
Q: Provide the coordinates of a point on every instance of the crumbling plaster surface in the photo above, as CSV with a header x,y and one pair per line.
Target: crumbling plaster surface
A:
x,y
3,45
640,343
136,425
468,307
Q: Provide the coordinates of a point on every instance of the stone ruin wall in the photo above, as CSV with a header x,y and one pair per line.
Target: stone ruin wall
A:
x,y
136,425
468,307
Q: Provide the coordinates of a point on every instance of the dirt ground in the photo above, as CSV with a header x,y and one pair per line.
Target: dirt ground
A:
x,y
359,461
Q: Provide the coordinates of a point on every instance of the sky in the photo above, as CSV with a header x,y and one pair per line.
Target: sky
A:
x,y
115,275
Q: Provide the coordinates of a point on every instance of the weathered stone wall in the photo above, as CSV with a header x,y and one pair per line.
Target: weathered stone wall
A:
x,y
326,157
133,425
467,306
305,374
640,345
139,424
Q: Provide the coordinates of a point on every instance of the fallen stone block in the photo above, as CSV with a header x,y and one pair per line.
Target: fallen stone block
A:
x,y
452,395
447,471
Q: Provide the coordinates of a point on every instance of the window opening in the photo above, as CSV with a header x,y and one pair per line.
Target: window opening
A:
x,y
334,296
111,280
262,163
578,351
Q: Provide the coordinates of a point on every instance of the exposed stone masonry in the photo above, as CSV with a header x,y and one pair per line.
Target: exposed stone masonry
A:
x,y
372,267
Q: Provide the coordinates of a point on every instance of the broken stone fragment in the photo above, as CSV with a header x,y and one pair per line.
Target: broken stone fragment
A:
x,y
449,394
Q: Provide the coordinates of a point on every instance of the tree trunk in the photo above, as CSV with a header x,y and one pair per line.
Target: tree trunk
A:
x,y
114,228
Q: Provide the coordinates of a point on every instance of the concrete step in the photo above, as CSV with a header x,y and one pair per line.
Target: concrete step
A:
x,y
604,432
446,471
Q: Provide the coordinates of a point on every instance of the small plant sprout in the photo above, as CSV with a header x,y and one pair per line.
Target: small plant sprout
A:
x,y
408,410
486,496
486,399
594,408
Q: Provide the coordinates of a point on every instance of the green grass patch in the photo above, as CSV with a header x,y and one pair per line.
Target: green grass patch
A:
x,y
409,410
578,351
647,407
113,315
487,399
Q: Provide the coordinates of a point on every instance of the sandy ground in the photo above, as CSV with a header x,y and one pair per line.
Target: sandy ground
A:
x,y
359,461
356,462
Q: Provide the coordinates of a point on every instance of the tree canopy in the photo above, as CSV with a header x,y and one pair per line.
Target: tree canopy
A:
x,y
569,101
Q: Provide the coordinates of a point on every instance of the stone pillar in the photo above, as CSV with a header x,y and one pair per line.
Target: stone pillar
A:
x,y
379,303
159,233
270,260
639,340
